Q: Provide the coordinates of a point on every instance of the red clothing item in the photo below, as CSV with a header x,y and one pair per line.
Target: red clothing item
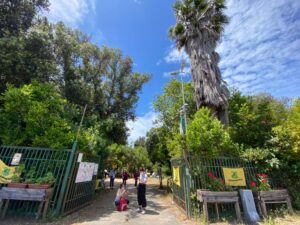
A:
x,y
123,204
136,176
125,175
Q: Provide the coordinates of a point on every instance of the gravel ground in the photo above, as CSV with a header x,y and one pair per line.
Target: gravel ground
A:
x,y
160,211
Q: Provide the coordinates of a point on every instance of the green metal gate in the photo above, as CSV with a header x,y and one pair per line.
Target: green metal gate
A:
x,y
196,178
79,194
67,196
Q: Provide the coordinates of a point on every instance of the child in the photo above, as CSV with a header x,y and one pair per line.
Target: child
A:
x,y
120,201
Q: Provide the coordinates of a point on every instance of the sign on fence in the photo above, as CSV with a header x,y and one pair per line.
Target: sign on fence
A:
x,y
95,169
16,159
6,173
234,176
176,175
85,172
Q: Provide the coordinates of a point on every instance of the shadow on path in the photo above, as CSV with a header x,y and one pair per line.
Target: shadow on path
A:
x,y
102,211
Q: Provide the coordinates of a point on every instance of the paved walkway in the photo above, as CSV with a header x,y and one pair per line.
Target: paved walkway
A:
x,y
160,211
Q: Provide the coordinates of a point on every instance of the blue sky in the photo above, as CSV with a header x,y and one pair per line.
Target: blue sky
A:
x,y
260,48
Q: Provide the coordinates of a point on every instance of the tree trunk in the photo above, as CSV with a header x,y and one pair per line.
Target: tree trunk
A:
x,y
209,90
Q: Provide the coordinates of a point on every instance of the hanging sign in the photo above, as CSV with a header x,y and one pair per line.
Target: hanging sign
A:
x,y
16,159
80,156
85,172
234,176
6,173
176,175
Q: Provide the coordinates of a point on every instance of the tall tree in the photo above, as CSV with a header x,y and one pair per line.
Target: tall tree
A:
x,y
17,16
198,29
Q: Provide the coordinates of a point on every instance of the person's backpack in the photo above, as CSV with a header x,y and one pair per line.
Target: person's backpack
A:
x,y
123,204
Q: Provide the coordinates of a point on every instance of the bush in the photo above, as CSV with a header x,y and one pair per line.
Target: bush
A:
x,y
206,136
35,115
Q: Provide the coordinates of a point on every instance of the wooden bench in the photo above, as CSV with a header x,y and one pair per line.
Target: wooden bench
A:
x,y
25,194
219,197
272,197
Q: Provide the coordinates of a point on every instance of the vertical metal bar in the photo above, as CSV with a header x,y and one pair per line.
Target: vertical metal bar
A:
x,y
65,179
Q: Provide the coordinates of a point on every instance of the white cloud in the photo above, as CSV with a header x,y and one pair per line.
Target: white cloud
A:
x,y
260,49
176,56
141,126
71,12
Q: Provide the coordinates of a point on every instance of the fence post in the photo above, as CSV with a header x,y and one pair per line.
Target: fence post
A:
x,y
187,192
65,180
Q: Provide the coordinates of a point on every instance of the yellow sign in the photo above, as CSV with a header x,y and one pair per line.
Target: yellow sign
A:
x,y
6,173
234,176
176,175
97,184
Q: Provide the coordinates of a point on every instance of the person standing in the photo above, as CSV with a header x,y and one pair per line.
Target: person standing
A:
x,y
141,191
125,177
136,177
112,175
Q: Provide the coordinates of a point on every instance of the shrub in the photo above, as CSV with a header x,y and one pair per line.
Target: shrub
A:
x,y
206,136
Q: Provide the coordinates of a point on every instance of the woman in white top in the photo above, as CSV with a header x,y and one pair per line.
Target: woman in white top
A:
x,y
120,194
141,191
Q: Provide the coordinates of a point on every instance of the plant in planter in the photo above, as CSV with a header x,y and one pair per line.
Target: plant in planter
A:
x,y
262,183
265,195
218,193
44,182
17,180
217,184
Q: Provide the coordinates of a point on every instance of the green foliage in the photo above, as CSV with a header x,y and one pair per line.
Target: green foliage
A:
x,y
33,116
197,15
216,184
169,103
262,183
121,156
252,118
156,145
47,179
167,138
18,16
102,78
206,136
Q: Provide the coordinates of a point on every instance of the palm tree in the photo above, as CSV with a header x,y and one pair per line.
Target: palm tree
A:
x,y
198,29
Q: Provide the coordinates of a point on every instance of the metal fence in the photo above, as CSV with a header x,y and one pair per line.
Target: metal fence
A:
x,y
196,178
79,194
62,163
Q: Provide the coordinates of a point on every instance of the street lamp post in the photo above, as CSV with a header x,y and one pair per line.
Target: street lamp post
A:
x,y
183,126
183,120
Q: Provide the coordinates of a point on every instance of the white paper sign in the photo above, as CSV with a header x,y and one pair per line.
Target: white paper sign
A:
x,y
95,169
16,159
85,172
79,159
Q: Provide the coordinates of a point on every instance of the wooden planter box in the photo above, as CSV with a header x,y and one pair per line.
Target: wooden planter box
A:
x,y
17,185
219,197
272,197
25,194
39,186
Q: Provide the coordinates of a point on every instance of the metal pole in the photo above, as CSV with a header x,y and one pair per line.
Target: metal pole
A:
x,y
183,95
81,121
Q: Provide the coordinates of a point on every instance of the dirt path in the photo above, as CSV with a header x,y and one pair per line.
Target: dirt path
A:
x,y
160,211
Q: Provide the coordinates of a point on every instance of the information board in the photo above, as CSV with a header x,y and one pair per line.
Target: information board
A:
x,y
85,172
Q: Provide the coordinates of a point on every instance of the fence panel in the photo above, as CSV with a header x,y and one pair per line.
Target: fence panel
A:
x,y
79,194
198,169
44,160
179,191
